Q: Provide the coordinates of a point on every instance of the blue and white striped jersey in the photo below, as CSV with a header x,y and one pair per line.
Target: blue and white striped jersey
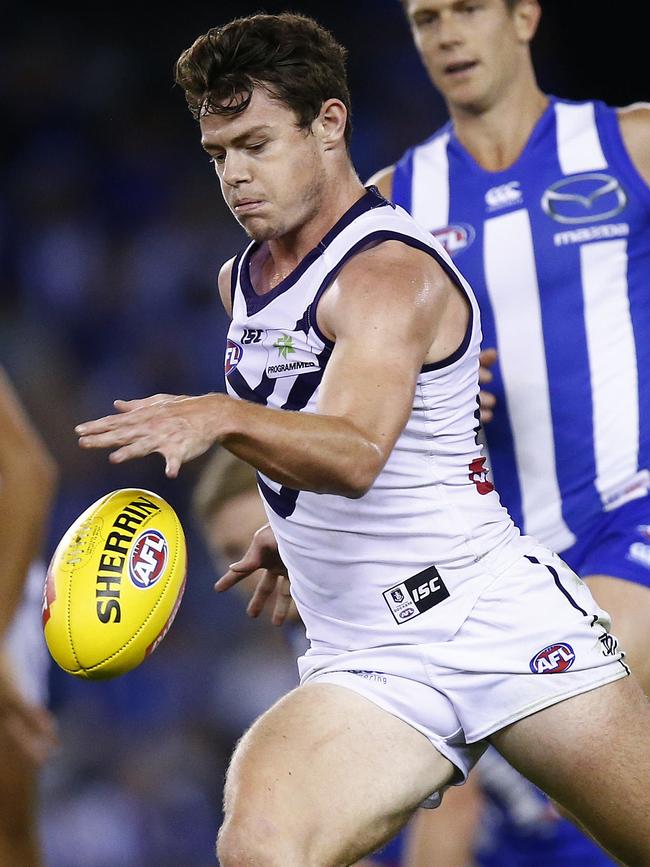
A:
x,y
404,563
557,250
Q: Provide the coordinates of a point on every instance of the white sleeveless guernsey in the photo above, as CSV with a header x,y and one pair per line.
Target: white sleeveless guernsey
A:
x,y
405,563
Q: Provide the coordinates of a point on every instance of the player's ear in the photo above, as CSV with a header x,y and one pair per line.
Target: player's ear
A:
x,y
329,126
526,15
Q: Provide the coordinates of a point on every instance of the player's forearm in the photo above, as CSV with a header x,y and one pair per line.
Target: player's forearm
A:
x,y
304,451
26,494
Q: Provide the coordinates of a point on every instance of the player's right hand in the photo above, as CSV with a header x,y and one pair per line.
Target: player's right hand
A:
x,y
487,400
273,585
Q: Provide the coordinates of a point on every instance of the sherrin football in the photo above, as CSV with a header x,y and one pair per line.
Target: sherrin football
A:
x,y
114,584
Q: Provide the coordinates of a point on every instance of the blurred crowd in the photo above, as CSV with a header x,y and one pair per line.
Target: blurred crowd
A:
x,y
112,232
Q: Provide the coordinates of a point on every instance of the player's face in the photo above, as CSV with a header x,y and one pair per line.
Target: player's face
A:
x,y
270,170
469,47
231,528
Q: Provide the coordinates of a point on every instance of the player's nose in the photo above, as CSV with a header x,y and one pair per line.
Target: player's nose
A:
x,y
236,169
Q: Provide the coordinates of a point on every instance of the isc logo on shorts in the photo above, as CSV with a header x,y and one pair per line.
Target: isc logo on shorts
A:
x,y
416,594
553,659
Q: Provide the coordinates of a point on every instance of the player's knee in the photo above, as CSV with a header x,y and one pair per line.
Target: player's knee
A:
x,y
246,843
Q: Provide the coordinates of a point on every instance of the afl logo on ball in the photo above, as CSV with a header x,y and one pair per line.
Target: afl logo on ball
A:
x,y
553,659
148,558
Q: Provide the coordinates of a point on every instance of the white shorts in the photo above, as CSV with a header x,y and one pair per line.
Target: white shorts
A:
x,y
534,637
25,644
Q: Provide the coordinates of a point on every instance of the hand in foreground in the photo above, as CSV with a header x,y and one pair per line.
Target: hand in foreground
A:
x,y
25,729
487,400
263,554
176,426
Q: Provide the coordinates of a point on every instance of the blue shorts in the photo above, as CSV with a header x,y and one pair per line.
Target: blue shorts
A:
x,y
616,544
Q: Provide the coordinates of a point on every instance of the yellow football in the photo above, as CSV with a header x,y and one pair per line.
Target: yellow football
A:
x,y
114,584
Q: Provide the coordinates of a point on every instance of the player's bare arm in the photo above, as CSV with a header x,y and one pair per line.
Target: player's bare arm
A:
x,y
225,285
27,483
383,180
385,313
634,121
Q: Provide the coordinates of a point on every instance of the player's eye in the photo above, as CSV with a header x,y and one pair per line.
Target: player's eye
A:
x,y
424,19
218,159
257,147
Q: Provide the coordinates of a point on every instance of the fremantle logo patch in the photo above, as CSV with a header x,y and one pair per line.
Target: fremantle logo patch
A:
x,y
416,595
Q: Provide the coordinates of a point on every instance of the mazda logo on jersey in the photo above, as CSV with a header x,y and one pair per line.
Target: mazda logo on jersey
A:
x,y
587,198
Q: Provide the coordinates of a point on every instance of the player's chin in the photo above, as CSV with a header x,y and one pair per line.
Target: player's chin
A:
x,y
260,230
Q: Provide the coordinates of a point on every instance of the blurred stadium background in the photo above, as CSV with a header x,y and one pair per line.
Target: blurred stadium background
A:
x,y
111,235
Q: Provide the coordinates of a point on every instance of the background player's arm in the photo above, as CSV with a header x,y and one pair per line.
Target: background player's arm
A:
x,y
384,312
27,484
634,122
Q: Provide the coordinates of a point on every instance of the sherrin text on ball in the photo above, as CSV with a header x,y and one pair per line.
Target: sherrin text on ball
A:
x,y
114,584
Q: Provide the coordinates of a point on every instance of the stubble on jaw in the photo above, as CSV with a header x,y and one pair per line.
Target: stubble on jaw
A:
x,y
289,222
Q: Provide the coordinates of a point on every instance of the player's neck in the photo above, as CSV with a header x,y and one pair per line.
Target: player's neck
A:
x,y
286,252
497,136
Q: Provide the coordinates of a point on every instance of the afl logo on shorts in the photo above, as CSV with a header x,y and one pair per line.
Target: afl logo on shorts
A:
x,y
234,353
554,659
148,559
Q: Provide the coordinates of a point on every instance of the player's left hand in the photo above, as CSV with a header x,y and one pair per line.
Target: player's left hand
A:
x,y
273,587
176,426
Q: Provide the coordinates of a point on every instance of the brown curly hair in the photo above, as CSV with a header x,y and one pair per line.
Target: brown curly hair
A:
x,y
295,59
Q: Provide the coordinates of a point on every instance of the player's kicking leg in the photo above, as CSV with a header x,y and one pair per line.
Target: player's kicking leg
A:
x,y
323,778
591,754
628,604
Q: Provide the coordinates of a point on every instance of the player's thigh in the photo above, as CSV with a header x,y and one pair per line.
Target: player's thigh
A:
x,y
628,604
591,753
325,776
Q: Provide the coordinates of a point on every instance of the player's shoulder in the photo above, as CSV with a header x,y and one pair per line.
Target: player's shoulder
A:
x,y
224,282
635,118
393,269
383,179
634,122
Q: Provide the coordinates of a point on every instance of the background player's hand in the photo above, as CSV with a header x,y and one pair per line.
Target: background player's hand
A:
x,y
176,426
487,400
26,730
273,584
